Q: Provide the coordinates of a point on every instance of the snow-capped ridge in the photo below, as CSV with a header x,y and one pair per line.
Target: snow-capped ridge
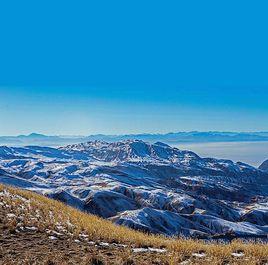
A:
x,y
264,165
153,187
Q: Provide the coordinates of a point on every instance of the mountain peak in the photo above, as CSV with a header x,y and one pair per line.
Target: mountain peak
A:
x,y
32,135
36,135
127,150
264,165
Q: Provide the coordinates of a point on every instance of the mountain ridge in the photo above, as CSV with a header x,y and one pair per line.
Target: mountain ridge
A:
x,y
172,137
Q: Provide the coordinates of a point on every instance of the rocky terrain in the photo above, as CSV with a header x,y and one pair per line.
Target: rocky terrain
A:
x,y
150,187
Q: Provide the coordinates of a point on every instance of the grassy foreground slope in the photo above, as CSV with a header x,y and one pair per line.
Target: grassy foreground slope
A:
x,y
37,230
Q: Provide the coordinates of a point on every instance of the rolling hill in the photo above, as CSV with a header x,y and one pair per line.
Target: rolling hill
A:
x,y
37,230
154,188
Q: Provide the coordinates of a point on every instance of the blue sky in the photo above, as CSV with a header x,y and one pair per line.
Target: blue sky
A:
x,y
82,67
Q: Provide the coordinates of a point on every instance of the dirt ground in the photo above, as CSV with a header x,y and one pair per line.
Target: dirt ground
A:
x,y
32,247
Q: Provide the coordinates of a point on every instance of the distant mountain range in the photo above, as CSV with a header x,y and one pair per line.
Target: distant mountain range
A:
x,y
178,137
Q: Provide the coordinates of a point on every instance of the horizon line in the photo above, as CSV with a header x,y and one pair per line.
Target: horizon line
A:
x,y
122,134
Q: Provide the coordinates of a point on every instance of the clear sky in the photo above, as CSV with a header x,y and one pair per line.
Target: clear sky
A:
x,y
85,67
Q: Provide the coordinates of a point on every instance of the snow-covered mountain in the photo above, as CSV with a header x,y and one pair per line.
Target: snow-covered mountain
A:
x,y
151,187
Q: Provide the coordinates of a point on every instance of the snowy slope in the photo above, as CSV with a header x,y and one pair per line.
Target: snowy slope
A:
x,y
151,187
264,166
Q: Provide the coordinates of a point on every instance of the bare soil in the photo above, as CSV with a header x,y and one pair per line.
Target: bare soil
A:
x,y
30,247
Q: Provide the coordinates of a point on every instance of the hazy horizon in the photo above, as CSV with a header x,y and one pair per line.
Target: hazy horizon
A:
x,y
126,133
252,153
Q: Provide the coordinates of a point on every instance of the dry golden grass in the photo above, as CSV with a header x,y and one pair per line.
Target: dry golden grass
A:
x,y
49,214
